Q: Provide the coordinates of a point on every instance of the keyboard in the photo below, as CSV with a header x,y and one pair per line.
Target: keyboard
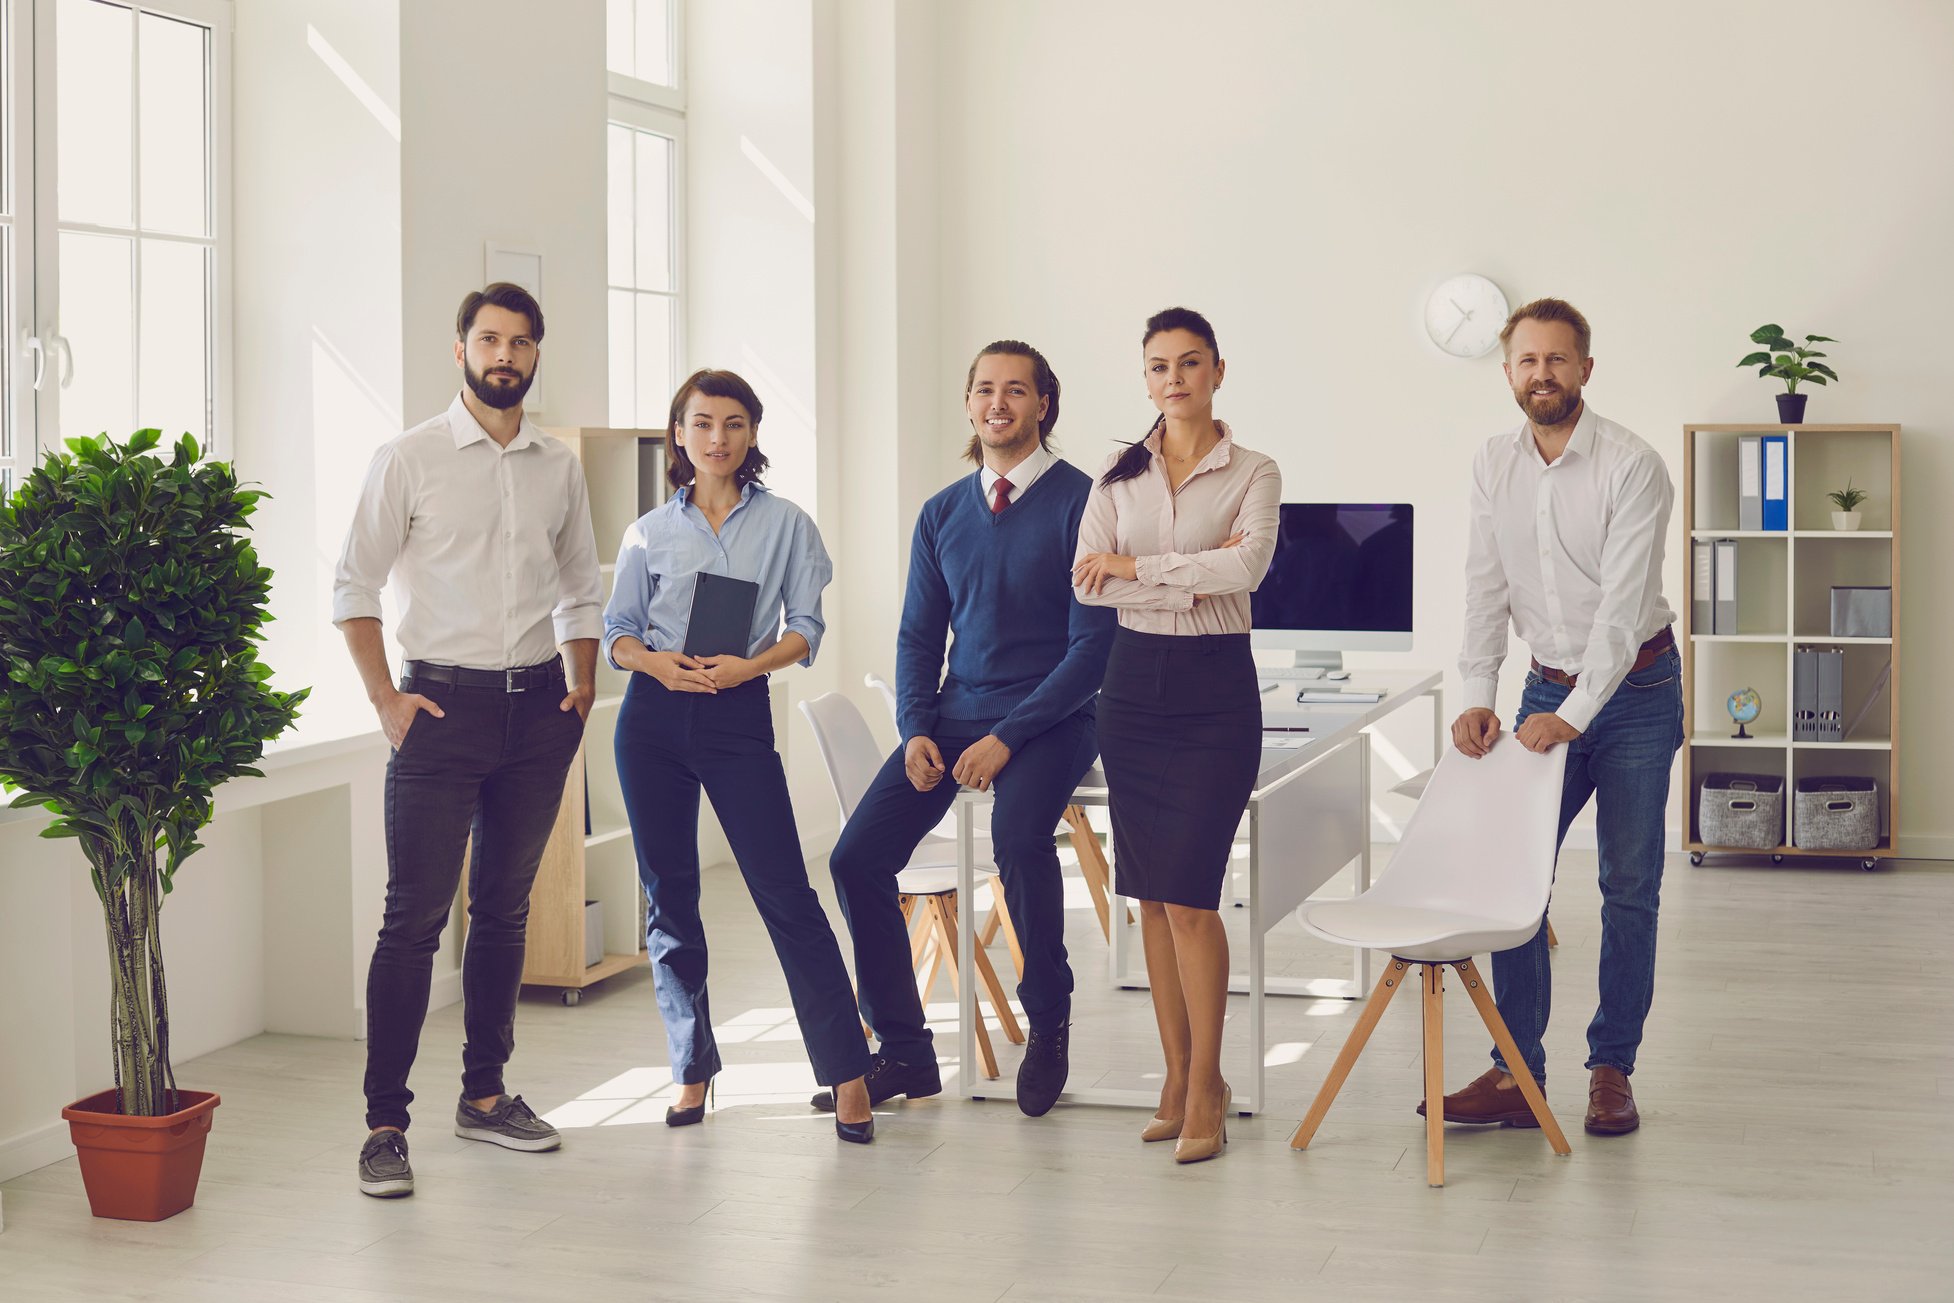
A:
x,y
1287,672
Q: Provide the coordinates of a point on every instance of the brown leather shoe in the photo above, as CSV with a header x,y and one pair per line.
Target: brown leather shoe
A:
x,y
1611,1104
1484,1102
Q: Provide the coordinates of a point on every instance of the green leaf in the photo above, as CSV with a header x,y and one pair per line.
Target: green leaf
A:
x,y
1824,370
1753,359
1820,339
1765,334
1812,378
143,440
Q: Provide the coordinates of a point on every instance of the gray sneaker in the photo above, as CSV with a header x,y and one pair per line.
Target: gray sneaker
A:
x,y
511,1124
384,1170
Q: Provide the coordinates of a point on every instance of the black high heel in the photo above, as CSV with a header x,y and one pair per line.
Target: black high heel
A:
x,y
685,1117
856,1133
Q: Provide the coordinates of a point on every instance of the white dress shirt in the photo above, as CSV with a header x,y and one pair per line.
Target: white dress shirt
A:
x,y
1022,476
1571,553
492,545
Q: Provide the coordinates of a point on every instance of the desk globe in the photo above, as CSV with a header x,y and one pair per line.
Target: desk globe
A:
x,y
1744,706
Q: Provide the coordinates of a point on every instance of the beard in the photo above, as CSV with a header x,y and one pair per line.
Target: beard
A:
x,y
496,394
1020,436
1549,408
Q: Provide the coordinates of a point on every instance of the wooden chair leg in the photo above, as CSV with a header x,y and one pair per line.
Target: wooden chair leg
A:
x,y
1000,913
1482,1000
943,914
915,960
1387,986
930,933
1434,1075
1553,942
921,935
1092,865
995,989
988,932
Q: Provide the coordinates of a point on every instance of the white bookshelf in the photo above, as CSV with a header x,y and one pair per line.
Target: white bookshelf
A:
x,y
1785,578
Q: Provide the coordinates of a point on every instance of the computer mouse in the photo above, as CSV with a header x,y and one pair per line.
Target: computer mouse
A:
x,y
1337,674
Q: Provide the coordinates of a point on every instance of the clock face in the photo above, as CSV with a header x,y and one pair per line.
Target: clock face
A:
x,y
1465,315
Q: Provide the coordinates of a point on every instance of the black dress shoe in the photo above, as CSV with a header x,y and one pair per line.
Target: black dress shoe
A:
x,y
685,1117
856,1133
1041,1077
887,1078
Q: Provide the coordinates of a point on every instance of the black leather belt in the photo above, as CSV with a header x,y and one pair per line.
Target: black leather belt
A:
x,y
528,678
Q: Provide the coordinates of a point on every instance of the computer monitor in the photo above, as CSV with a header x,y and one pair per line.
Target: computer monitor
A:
x,y
1340,580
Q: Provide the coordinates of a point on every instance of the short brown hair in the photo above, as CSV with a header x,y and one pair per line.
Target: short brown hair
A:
x,y
1043,382
1549,310
512,298
713,384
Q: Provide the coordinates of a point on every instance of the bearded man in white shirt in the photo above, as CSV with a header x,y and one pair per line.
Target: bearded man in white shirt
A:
x,y
1569,516
484,521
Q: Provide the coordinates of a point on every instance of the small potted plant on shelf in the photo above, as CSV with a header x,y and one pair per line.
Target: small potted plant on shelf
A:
x,y
130,607
1791,363
1847,501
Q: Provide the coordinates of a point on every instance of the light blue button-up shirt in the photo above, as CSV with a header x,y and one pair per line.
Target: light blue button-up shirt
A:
x,y
767,540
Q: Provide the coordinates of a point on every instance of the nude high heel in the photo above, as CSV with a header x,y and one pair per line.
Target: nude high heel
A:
x,y
1160,1128
1195,1150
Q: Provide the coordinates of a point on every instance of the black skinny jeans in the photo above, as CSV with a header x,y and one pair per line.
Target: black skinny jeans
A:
x,y
494,766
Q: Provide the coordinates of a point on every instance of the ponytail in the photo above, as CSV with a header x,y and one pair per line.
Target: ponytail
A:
x,y
1134,461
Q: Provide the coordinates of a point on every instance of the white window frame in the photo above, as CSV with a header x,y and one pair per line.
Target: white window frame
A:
x,y
17,318
623,86
647,106
37,260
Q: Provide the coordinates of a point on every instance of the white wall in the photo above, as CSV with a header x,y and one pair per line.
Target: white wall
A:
x,y
502,141
1305,172
316,200
750,302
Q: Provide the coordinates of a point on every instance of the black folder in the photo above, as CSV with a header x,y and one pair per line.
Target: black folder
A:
x,y
722,616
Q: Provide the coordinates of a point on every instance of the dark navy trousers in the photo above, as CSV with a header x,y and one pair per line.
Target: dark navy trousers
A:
x,y
1031,791
669,746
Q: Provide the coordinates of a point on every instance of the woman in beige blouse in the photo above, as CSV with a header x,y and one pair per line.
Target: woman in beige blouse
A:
x,y
1177,532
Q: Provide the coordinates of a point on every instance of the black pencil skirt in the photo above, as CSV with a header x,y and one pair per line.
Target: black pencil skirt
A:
x,y
1180,740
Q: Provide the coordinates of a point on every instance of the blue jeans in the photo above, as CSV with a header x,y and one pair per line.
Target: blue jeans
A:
x,y
669,746
1623,762
1032,791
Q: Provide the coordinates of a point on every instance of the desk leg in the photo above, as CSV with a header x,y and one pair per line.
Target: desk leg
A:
x,y
1120,912
1360,961
967,1013
1258,1033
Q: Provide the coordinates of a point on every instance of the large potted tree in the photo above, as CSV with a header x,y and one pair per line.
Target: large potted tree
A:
x,y
130,689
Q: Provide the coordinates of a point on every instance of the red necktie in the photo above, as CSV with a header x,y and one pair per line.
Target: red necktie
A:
x,y
1000,495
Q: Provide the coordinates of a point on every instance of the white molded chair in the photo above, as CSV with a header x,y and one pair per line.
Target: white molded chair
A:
x,y
1471,876
1098,874
1414,787
928,884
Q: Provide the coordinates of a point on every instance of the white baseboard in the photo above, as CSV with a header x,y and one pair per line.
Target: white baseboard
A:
x,y
34,1149
443,991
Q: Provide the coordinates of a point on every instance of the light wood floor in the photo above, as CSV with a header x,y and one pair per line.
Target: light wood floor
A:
x,y
1797,1089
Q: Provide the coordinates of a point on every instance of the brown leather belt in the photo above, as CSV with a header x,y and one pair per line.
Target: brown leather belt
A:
x,y
1651,650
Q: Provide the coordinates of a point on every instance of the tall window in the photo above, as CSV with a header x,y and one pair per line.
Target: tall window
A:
x,y
646,148
114,212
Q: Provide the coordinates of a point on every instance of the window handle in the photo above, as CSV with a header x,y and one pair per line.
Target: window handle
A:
x,y
67,360
38,351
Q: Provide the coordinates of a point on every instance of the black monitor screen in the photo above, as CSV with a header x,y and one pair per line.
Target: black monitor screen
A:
x,y
1338,567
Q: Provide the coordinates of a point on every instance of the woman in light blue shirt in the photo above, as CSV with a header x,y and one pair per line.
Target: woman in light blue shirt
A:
x,y
692,721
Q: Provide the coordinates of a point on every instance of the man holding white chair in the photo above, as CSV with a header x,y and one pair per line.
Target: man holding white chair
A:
x,y
1569,515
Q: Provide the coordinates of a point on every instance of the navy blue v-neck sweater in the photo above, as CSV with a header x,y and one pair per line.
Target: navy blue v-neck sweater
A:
x,y
1025,653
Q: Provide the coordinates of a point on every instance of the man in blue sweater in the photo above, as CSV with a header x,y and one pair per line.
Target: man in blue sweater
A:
x,y
991,565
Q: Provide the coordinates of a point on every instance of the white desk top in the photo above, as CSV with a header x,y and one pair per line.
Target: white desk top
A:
x,y
1322,728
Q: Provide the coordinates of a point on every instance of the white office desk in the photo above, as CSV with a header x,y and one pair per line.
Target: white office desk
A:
x,y
1308,817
